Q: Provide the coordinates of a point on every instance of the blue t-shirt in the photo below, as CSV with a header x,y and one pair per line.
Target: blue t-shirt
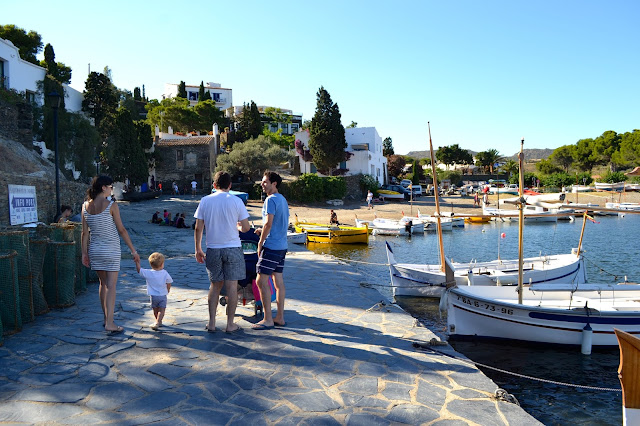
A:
x,y
276,205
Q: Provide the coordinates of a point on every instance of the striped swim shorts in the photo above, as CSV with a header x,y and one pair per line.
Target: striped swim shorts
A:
x,y
225,264
271,261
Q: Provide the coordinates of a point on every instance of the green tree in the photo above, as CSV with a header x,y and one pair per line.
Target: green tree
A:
x,y
547,167
126,157
182,90
276,115
353,125
585,155
283,141
251,158
449,155
327,142
201,91
605,147
564,156
100,98
255,121
57,70
488,159
387,147
208,114
28,44
510,167
136,94
629,152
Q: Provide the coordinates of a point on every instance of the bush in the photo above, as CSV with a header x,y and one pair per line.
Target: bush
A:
x,y
310,188
454,176
584,175
558,180
368,183
529,179
613,177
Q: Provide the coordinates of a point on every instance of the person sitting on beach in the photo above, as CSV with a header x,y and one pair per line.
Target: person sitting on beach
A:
x,y
180,221
334,218
156,217
167,219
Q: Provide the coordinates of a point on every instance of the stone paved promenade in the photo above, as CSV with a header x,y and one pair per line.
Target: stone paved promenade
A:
x,y
341,359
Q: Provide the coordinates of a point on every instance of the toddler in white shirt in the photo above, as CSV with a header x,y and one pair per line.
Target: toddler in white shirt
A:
x,y
158,286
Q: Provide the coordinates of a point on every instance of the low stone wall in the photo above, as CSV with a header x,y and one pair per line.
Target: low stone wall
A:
x,y
71,193
354,192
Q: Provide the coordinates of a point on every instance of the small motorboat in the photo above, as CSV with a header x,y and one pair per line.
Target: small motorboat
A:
x,y
297,237
333,234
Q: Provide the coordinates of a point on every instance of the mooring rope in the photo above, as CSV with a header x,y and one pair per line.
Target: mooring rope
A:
x,y
523,376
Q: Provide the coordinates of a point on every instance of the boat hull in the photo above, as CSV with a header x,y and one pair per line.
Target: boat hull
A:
x,y
493,312
317,233
297,237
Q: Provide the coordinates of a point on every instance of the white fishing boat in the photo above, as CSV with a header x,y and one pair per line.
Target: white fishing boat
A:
x,y
446,221
623,206
557,314
560,313
391,227
428,280
297,237
604,186
533,214
581,188
632,186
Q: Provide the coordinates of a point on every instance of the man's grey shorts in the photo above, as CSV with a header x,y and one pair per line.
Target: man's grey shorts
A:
x,y
225,264
158,301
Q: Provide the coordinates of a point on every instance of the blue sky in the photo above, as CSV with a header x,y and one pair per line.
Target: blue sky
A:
x,y
484,73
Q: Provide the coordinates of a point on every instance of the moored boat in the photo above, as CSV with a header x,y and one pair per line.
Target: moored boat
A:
x,y
333,234
297,237
391,195
629,374
604,186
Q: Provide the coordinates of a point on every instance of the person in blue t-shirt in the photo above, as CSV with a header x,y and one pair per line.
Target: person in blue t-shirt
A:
x,y
272,248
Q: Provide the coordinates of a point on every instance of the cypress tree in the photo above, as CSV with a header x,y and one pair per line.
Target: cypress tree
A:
x,y
182,90
201,92
327,142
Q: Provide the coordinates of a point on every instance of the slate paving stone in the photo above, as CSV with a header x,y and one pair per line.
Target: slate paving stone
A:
x,y
396,391
57,393
364,419
249,382
154,402
483,412
468,393
412,414
54,369
110,396
76,358
222,389
146,419
143,379
360,385
43,379
94,418
76,340
430,395
110,350
204,416
33,412
454,422
169,372
313,402
248,419
254,403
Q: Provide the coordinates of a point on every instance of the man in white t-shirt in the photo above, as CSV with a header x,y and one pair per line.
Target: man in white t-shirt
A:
x,y
223,215
194,185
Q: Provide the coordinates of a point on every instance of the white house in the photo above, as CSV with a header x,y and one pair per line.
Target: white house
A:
x,y
23,77
295,120
222,97
366,146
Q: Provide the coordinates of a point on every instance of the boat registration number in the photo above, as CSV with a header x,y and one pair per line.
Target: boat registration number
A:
x,y
488,306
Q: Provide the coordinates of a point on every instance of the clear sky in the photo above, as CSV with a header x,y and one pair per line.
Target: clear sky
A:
x,y
484,73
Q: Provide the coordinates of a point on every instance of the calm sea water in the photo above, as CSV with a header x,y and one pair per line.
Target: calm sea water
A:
x,y
610,253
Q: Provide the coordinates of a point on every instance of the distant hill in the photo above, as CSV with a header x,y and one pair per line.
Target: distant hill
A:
x,y
529,154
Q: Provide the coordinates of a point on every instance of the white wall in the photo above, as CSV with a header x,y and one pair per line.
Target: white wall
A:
x,y
226,95
22,75
365,161
72,99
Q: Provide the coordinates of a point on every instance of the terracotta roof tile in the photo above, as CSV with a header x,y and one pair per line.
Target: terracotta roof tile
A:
x,y
194,140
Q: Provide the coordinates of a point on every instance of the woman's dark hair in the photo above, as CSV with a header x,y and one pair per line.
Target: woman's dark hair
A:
x,y
96,186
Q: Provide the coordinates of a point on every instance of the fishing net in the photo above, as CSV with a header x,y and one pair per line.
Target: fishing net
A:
x,y
9,292
18,240
62,232
59,274
38,250
81,270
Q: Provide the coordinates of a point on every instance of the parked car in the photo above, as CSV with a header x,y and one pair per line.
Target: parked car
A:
x,y
417,190
405,183
398,188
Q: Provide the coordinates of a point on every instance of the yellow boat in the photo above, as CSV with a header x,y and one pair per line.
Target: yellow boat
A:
x,y
332,234
477,219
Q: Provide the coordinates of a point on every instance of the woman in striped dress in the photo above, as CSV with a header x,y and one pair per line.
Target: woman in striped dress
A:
x,y
101,232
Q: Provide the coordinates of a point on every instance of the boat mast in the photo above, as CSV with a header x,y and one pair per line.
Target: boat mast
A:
x,y
521,204
435,191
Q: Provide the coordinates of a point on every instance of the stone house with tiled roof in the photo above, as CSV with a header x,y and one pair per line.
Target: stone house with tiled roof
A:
x,y
184,159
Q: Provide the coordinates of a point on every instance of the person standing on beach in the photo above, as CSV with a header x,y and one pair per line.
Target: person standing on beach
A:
x,y
272,249
101,232
223,215
194,186
369,199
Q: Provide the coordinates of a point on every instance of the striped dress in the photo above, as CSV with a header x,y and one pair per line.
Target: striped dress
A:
x,y
104,243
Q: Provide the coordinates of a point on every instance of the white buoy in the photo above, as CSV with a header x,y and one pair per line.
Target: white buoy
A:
x,y
587,340
470,277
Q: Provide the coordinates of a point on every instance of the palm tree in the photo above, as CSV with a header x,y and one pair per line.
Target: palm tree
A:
x,y
510,167
488,158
